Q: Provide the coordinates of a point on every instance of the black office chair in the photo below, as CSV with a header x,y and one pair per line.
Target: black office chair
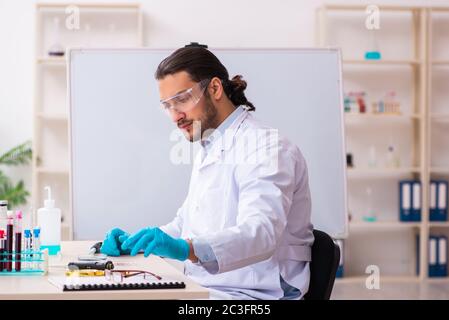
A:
x,y
323,267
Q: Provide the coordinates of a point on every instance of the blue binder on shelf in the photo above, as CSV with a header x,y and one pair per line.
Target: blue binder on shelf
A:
x,y
433,201
437,256
442,200
416,201
405,200
340,269
442,257
438,200
433,256
410,200
417,254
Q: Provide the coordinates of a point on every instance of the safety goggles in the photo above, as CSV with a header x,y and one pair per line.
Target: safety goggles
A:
x,y
186,100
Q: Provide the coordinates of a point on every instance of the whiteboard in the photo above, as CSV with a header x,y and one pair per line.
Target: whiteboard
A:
x,y
120,141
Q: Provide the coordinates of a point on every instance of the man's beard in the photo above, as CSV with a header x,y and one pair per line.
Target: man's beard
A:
x,y
206,122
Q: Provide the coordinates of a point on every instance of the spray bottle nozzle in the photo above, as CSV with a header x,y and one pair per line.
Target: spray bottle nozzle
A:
x,y
49,203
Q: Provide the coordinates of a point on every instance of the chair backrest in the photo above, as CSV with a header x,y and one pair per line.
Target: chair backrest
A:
x,y
323,267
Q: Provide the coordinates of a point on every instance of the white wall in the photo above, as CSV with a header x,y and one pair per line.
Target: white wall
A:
x,y
167,23
16,79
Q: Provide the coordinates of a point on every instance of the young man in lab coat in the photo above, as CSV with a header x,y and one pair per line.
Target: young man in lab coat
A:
x,y
244,230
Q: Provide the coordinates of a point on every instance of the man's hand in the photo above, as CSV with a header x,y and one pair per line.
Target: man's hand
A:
x,y
112,243
155,241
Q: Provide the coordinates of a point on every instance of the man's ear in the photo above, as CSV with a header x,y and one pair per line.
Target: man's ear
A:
x,y
216,90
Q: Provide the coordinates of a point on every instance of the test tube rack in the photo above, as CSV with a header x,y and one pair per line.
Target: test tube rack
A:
x,y
31,263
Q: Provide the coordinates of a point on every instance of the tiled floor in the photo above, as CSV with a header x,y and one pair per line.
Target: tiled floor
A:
x,y
388,291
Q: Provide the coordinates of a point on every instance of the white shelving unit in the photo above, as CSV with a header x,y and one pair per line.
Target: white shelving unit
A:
x,y
438,114
384,225
411,62
403,42
388,279
363,173
100,25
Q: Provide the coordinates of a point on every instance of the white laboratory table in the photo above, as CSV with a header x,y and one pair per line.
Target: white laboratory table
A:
x,y
38,287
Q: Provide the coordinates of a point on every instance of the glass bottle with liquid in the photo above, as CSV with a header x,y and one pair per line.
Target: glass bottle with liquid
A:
x,y
56,49
3,214
392,159
373,53
370,215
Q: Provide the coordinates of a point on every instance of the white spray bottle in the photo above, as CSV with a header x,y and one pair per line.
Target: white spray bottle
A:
x,y
49,220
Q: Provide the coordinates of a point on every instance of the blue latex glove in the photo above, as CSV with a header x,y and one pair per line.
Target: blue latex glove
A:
x,y
113,242
155,241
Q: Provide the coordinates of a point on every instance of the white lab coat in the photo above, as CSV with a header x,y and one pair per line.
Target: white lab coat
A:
x,y
249,199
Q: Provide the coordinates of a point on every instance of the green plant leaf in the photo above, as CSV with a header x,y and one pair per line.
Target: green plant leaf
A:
x,y
20,154
3,179
16,195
